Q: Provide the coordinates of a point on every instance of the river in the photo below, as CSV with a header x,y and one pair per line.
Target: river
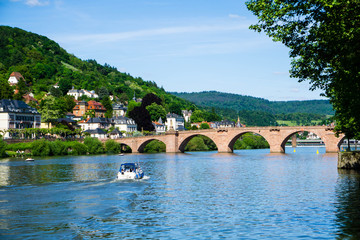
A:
x,y
250,194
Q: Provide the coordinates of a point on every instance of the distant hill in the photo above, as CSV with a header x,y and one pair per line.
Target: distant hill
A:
x,y
236,102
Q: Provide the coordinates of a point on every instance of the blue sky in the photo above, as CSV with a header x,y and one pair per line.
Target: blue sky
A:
x,y
182,45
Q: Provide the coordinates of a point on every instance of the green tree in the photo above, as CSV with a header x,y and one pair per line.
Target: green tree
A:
x,y
156,111
69,103
112,147
323,37
3,147
108,105
6,91
175,108
123,98
65,84
50,109
155,146
21,88
197,116
103,92
204,126
56,92
94,145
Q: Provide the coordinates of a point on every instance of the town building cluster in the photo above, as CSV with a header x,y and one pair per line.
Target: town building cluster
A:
x,y
89,116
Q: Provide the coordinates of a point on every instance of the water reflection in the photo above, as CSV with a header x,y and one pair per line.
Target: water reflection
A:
x,y
16,171
244,195
348,205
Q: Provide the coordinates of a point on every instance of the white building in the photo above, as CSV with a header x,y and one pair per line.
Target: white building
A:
x,y
119,110
14,78
75,93
90,94
15,114
124,124
97,133
187,115
159,126
78,93
94,123
174,122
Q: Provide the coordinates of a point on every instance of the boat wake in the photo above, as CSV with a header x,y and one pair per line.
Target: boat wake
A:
x,y
132,179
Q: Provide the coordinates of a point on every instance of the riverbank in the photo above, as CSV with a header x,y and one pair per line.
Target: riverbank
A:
x,y
44,148
90,145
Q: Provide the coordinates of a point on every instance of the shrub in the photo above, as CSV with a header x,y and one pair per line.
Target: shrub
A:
x,y
40,148
76,148
3,147
58,148
112,147
94,145
19,146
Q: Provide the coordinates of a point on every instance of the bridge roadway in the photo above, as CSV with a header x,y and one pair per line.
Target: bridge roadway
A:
x,y
225,138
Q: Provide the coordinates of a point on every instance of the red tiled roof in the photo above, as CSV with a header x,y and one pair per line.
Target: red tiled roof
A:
x,y
17,75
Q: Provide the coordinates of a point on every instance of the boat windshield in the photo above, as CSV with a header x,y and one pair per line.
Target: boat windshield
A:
x,y
128,166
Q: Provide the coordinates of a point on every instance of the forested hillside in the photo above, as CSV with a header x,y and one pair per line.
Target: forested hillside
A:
x,y
254,111
44,63
239,102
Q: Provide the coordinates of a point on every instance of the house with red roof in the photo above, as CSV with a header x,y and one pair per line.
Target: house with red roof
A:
x,y
14,78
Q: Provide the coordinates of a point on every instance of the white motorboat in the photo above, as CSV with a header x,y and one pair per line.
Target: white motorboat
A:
x,y
29,159
130,171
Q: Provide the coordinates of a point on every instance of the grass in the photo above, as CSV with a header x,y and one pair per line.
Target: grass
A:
x,y
70,66
293,123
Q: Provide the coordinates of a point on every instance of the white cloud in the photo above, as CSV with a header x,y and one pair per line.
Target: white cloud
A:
x,y
36,3
33,3
113,37
231,15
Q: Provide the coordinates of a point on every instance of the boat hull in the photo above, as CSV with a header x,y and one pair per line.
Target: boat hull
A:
x,y
130,175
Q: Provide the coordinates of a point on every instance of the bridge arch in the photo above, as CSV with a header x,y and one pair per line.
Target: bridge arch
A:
x,y
289,135
125,148
142,146
235,138
340,142
184,142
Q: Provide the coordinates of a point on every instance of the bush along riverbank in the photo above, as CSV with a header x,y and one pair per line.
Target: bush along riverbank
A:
x,y
60,148
90,145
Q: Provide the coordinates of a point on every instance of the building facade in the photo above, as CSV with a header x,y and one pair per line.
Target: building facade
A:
x,y
124,124
82,107
76,93
119,110
174,122
15,114
94,123
187,115
159,126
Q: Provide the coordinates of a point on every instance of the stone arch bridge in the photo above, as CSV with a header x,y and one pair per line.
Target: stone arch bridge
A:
x,y
225,139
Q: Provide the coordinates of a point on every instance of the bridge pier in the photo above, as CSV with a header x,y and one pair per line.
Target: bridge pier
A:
x,y
276,148
172,142
293,141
